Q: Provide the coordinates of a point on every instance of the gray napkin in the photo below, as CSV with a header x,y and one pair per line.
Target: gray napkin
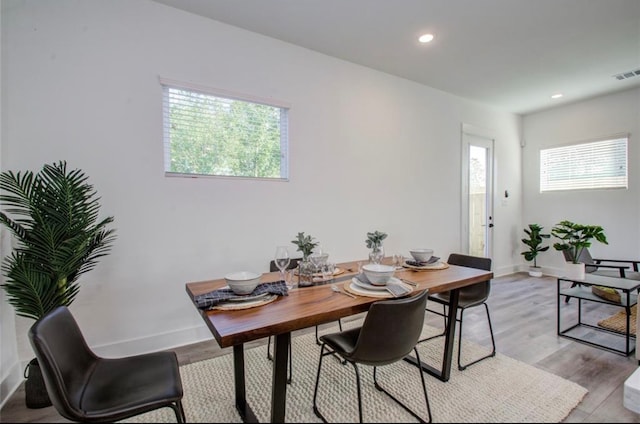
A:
x,y
398,289
211,299
431,260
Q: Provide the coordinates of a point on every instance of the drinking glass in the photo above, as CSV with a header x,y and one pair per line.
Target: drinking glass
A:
x,y
282,260
317,258
327,271
289,278
398,260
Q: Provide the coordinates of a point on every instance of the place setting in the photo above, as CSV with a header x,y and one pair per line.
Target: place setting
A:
x,y
424,260
243,291
377,280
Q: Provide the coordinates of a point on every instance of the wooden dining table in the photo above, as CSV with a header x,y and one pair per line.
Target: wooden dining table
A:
x,y
306,307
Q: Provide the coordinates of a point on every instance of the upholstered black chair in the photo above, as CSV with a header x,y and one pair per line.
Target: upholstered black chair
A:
x,y
470,296
84,387
389,332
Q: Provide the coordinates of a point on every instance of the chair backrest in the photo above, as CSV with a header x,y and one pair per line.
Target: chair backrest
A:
x,y
292,264
65,360
479,291
390,330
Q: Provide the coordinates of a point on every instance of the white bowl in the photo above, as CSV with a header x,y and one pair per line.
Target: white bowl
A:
x,y
421,255
378,274
243,282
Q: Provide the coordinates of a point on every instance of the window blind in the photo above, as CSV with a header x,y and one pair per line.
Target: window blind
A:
x,y
209,134
592,165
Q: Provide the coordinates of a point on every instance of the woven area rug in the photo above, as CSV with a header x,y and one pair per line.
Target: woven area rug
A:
x,y
618,321
498,389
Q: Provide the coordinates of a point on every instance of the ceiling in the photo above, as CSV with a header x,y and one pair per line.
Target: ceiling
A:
x,y
510,54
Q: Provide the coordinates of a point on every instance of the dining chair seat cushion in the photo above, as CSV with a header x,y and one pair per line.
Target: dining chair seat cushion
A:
x,y
131,385
471,296
343,342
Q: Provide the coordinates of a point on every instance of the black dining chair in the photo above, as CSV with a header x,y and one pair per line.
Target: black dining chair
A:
x,y
84,387
469,297
390,332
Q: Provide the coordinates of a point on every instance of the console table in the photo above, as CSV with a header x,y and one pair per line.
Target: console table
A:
x,y
580,290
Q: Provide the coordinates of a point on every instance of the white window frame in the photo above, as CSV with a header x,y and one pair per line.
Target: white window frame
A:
x,y
583,166
284,107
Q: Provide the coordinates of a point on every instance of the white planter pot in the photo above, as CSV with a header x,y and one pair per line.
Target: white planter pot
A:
x,y
535,271
574,271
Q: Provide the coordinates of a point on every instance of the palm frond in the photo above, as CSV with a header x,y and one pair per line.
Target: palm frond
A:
x,y
54,216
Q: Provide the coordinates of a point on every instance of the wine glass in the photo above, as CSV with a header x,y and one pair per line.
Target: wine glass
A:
x,y
317,258
282,260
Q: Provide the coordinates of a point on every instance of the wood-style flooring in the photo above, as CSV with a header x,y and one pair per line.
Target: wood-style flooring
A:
x,y
523,312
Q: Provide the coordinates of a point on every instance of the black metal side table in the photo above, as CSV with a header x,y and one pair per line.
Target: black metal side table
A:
x,y
581,291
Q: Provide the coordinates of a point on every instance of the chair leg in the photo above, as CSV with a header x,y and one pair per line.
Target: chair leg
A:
x,y
315,391
424,389
179,411
493,342
316,411
444,329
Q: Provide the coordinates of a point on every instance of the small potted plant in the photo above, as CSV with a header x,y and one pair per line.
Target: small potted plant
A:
x,y
573,239
305,244
374,242
534,243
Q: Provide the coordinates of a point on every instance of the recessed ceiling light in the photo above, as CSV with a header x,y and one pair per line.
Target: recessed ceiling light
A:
x,y
556,96
425,38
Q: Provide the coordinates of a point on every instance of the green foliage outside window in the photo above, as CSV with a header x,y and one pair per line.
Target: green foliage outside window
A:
x,y
211,135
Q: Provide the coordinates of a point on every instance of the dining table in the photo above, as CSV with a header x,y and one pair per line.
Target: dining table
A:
x,y
305,307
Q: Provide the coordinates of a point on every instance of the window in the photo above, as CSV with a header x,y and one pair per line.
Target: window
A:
x,y
590,165
209,133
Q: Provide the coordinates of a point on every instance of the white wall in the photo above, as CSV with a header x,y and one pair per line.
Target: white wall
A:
x,y
615,210
368,152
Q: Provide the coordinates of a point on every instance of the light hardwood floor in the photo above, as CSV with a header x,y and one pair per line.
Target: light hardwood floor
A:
x,y
523,312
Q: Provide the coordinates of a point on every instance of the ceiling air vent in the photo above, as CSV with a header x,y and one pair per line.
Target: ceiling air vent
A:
x,y
628,74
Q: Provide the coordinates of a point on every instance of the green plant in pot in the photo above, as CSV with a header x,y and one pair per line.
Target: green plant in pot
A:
x,y
305,244
374,242
53,216
534,242
573,239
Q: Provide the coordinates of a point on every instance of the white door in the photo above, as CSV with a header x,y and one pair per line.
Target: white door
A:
x,y
477,192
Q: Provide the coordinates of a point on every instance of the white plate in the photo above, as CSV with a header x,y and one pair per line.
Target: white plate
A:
x,y
369,286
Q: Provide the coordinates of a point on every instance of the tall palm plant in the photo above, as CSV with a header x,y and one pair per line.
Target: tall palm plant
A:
x,y
59,237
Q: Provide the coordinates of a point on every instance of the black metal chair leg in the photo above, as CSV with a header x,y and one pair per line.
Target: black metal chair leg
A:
x,y
406,408
444,329
493,342
179,411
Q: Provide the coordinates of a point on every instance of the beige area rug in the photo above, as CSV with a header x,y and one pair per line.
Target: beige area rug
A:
x,y
618,321
498,389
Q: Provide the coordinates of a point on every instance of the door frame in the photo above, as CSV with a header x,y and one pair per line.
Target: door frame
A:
x,y
467,135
